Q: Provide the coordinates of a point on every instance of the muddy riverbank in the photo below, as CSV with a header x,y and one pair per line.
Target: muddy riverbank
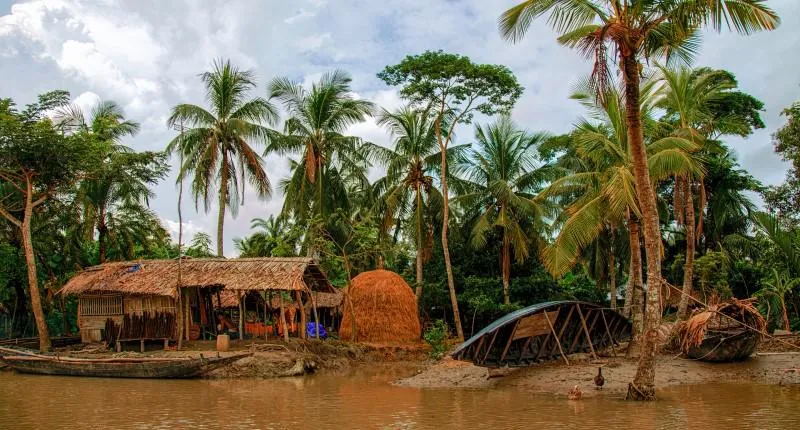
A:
x,y
557,379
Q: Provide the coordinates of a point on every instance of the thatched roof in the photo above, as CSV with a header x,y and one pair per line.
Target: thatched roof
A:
x,y
230,299
327,300
160,277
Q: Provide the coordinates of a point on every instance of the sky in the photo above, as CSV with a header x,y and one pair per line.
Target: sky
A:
x,y
146,55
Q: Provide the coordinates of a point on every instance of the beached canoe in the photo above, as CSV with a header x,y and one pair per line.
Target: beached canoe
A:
x,y
722,346
118,367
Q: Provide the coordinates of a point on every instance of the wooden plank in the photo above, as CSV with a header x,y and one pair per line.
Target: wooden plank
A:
x,y
510,339
608,332
533,325
478,348
586,331
563,327
489,348
552,329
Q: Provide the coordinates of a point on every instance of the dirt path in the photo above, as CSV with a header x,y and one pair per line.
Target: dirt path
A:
x,y
558,379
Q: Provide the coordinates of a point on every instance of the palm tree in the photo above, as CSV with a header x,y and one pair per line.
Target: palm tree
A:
x,y
119,187
502,177
690,97
216,147
407,191
274,233
634,30
330,160
600,191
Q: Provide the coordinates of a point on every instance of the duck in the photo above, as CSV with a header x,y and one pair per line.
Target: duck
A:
x,y
575,393
599,380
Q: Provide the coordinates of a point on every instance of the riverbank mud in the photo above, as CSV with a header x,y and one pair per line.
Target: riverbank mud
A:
x,y
556,378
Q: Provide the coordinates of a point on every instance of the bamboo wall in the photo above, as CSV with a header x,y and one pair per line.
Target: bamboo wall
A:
x,y
95,309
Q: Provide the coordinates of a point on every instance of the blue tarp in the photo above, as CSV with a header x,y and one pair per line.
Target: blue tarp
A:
x,y
311,330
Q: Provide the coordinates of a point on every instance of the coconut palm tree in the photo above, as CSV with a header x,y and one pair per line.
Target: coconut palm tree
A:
x,y
330,161
690,98
119,187
601,190
634,30
501,178
216,146
407,191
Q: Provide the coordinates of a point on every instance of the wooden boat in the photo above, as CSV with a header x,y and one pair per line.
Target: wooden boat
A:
x,y
728,331
543,332
725,345
118,367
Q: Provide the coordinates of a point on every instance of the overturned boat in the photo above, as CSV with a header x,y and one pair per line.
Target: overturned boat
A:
x,y
117,367
545,331
729,331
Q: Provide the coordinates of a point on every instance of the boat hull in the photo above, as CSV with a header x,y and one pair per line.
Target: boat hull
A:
x,y
723,346
103,368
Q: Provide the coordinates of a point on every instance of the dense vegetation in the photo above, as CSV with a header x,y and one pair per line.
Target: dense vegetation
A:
x,y
481,215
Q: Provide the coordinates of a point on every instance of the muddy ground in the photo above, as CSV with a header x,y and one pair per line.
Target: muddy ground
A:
x,y
556,378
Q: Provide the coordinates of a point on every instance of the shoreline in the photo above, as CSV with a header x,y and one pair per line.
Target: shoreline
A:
x,y
558,379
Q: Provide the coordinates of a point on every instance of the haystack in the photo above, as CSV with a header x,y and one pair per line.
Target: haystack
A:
x,y
384,308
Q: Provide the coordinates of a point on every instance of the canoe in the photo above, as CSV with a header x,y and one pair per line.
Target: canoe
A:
x,y
722,346
118,367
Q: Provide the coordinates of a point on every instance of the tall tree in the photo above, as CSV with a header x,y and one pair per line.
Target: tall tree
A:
x,y
701,105
316,131
600,189
503,177
118,188
453,89
216,146
636,30
408,190
36,162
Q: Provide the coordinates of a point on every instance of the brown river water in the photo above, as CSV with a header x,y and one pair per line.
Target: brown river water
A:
x,y
365,399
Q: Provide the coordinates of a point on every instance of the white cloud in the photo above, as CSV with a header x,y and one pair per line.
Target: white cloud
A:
x,y
189,229
311,43
299,16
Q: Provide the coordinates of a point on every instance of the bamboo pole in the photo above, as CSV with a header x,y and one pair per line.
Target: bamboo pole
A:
x,y
241,317
608,332
586,331
302,330
316,316
188,314
283,320
558,342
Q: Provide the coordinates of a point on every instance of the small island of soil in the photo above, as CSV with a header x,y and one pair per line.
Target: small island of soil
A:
x,y
773,367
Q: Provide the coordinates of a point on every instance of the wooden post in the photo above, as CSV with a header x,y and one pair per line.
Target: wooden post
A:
x,y
489,348
283,320
241,316
187,314
299,298
316,316
266,333
586,331
608,332
563,327
558,342
510,339
179,318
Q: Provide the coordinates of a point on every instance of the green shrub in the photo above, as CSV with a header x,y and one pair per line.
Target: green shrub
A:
x,y
436,335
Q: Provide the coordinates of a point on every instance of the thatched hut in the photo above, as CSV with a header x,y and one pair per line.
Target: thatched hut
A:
x,y
379,306
149,291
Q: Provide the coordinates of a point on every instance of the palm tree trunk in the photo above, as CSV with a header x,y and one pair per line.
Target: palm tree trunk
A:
x,y
418,292
634,303
688,268
102,234
30,264
445,245
223,199
643,385
612,279
506,270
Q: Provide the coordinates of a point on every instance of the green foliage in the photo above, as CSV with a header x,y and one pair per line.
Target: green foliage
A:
x,y
436,335
455,83
713,275
200,246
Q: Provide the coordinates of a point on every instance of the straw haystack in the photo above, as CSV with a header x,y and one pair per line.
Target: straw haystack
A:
x,y
384,308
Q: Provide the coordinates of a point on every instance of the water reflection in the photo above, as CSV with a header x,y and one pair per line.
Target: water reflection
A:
x,y
366,400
